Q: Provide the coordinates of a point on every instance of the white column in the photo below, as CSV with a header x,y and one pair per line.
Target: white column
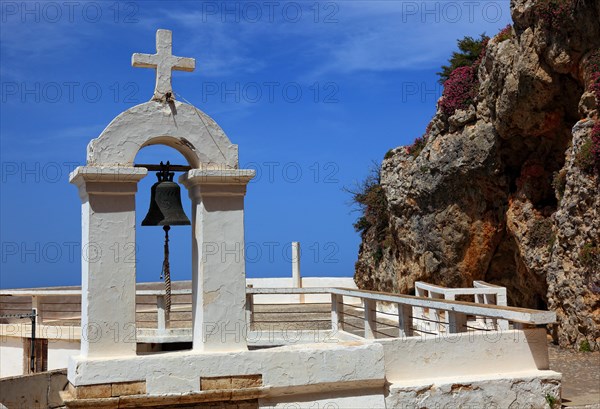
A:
x,y
108,259
296,277
218,262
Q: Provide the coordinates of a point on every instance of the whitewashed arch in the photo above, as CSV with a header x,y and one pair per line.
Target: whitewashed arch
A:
x,y
181,126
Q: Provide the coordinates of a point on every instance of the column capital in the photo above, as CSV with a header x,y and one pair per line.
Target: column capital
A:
x,y
107,174
217,182
118,180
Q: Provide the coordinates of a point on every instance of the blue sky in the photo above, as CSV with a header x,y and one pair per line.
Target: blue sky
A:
x,y
312,92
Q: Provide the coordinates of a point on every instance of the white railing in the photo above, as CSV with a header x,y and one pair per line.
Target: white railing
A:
x,y
359,312
346,315
50,310
482,293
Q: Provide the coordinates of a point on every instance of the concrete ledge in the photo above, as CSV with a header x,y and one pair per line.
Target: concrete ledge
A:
x,y
35,391
289,369
519,389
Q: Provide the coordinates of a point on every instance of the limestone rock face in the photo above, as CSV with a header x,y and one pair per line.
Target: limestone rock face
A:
x,y
573,284
481,200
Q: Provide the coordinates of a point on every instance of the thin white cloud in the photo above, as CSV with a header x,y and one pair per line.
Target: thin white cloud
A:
x,y
359,36
53,143
221,49
384,35
27,46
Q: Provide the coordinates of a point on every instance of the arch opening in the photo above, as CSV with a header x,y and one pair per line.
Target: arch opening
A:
x,y
149,252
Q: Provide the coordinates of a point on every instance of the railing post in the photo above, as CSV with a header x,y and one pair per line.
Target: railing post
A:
x,y
499,298
249,310
481,299
337,312
450,297
419,312
490,299
456,322
434,314
163,319
405,324
502,301
370,324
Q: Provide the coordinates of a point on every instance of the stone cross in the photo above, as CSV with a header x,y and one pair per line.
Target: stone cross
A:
x,y
163,62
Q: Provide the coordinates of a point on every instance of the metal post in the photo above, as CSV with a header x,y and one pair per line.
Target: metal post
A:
x,y
32,356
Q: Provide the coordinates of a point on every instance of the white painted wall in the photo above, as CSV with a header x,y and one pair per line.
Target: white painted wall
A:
x,y
59,351
429,357
11,356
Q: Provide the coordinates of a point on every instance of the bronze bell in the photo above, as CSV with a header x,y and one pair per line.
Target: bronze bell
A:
x,y
165,202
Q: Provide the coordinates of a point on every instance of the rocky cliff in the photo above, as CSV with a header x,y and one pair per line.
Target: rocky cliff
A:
x,y
504,186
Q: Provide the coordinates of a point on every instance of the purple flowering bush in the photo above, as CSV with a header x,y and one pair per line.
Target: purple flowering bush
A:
x,y
555,13
595,150
593,68
459,90
504,34
417,146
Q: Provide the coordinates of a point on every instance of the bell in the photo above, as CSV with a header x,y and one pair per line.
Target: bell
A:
x,y
165,202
